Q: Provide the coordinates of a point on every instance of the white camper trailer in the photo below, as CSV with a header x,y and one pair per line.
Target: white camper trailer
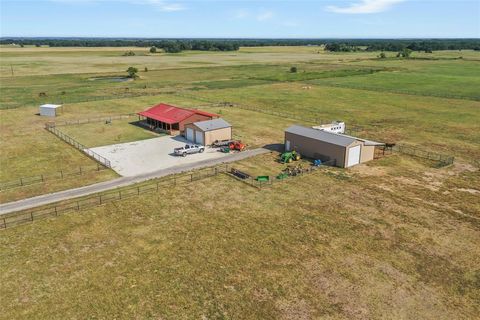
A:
x,y
334,127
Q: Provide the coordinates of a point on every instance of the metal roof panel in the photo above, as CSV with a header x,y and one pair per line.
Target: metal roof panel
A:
x,y
321,135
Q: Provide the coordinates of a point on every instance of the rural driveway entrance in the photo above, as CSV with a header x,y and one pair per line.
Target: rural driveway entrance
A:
x,y
144,156
122,182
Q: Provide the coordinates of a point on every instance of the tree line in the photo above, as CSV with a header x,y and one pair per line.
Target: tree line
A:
x,y
178,45
401,45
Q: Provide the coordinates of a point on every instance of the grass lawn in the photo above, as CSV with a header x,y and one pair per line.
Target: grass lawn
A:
x,y
101,134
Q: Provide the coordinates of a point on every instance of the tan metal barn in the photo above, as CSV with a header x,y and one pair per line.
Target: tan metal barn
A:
x,y
347,151
207,132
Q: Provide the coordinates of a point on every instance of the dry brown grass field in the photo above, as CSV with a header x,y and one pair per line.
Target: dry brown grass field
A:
x,y
396,238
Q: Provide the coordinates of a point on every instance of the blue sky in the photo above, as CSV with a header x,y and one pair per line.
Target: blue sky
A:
x,y
247,18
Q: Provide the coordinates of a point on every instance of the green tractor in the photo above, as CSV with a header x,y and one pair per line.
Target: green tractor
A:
x,y
288,157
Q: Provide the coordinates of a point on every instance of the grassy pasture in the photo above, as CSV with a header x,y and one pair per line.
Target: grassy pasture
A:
x,y
394,238
233,252
459,79
446,125
46,61
101,133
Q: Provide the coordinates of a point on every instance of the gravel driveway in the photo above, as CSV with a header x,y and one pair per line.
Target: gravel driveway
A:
x,y
140,157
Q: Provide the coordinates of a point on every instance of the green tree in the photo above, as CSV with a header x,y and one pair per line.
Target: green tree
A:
x,y
382,55
293,69
132,72
405,53
153,49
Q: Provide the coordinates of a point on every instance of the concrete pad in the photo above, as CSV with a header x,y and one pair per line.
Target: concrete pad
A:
x,y
144,156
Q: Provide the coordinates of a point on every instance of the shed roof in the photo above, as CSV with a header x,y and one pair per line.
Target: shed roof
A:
x,y
214,124
321,135
171,114
365,141
50,106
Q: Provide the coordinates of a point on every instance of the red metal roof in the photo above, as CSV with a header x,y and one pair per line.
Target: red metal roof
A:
x,y
171,114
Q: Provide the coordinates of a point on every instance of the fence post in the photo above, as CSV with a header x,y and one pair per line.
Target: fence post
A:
x,y
80,170
56,213
42,178
78,206
31,216
157,186
100,198
5,223
138,190
61,173
21,181
120,194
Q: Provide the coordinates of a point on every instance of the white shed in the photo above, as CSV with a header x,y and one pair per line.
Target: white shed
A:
x,y
49,110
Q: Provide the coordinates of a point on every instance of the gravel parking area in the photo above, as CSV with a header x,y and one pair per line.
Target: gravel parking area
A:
x,y
139,157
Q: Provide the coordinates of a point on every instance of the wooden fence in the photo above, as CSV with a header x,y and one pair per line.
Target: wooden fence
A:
x,y
273,180
61,174
18,218
95,156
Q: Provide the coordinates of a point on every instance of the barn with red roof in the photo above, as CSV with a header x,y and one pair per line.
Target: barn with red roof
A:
x,y
173,119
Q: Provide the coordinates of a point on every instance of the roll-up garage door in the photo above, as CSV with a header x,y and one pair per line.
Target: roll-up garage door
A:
x,y
353,156
190,134
199,137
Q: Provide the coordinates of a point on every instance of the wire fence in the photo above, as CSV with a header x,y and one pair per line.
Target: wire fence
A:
x,y
95,156
94,120
397,91
282,114
18,218
59,100
442,160
42,178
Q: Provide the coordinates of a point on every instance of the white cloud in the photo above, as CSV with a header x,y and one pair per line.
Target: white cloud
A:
x,y
241,14
365,6
166,6
265,16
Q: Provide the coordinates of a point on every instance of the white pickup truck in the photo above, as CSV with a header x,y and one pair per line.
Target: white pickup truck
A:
x,y
188,149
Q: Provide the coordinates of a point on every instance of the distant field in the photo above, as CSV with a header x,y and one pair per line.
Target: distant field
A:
x,y
458,80
394,238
